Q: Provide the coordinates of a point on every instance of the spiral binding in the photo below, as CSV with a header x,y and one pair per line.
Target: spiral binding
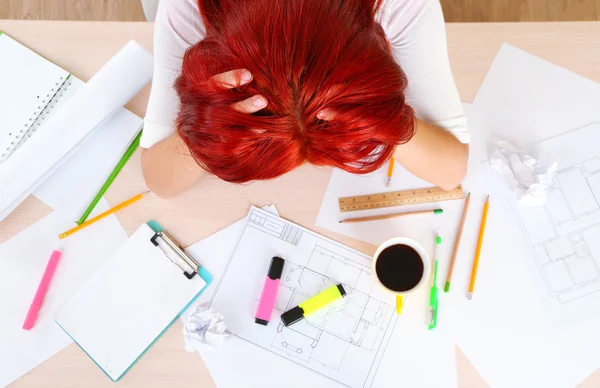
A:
x,y
38,117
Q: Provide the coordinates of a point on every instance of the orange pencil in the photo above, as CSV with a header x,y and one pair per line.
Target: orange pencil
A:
x,y
103,215
390,172
478,251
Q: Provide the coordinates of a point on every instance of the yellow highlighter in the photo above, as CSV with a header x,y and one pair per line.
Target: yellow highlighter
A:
x,y
313,304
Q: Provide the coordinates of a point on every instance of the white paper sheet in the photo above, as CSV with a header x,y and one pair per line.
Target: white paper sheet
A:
x,y
408,349
506,330
22,262
213,252
113,86
525,99
71,189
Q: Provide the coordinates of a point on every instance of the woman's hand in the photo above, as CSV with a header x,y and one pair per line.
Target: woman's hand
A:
x,y
168,166
236,78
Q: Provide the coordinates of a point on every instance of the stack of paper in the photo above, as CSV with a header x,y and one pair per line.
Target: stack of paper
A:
x,y
73,124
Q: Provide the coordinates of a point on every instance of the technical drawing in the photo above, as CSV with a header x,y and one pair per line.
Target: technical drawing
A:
x,y
564,234
275,227
357,320
345,340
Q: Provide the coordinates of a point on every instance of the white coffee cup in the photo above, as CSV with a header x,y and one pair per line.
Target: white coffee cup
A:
x,y
421,252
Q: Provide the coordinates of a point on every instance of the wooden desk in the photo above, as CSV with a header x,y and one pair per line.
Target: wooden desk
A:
x,y
83,47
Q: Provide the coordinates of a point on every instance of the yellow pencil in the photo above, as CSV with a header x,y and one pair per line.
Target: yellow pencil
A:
x,y
478,251
103,215
390,172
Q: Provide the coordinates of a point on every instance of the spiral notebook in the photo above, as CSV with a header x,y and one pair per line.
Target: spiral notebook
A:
x,y
47,114
123,309
35,86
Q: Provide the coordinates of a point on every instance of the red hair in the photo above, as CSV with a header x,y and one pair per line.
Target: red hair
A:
x,y
305,56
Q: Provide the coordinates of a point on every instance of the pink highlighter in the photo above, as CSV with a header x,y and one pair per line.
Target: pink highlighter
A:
x,y
36,305
269,292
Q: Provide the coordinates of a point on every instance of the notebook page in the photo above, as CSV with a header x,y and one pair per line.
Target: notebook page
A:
x,y
128,304
27,81
119,80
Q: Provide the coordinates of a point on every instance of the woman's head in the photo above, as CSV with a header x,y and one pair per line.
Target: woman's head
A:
x,y
306,56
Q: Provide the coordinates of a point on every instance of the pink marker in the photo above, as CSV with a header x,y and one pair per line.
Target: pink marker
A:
x,y
269,292
36,305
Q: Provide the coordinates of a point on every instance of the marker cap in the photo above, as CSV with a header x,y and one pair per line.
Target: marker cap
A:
x,y
292,316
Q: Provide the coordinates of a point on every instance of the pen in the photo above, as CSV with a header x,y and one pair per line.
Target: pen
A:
x,y
38,298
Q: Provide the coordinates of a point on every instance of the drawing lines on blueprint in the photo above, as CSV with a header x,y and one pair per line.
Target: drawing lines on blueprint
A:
x,y
564,234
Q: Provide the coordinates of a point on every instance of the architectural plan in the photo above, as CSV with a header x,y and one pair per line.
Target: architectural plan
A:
x,y
564,234
341,344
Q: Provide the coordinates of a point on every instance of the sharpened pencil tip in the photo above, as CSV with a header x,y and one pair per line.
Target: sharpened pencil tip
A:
x,y
470,295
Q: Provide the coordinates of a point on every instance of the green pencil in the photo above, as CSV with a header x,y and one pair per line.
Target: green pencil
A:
x,y
124,159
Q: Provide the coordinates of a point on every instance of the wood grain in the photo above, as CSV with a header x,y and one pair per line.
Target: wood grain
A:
x,y
520,10
454,10
98,10
83,47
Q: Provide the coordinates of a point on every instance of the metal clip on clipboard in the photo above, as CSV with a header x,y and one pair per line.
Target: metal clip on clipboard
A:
x,y
172,247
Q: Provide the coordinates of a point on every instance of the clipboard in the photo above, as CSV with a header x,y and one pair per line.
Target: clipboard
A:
x,y
121,312
199,270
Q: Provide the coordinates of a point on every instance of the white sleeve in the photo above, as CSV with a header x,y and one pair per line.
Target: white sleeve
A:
x,y
178,26
417,35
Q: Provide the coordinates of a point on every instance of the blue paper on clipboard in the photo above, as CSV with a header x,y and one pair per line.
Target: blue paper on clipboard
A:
x,y
133,299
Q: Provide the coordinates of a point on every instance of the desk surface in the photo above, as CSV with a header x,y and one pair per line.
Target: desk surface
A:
x,y
83,47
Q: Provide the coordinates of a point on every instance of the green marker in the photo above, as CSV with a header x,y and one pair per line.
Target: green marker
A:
x,y
433,294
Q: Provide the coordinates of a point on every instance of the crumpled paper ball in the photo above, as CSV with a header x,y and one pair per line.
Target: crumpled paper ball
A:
x,y
529,177
204,329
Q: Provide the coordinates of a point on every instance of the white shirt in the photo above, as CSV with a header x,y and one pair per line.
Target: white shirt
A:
x,y
414,28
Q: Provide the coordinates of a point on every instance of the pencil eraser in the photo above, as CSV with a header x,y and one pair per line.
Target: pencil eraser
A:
x,y
447,287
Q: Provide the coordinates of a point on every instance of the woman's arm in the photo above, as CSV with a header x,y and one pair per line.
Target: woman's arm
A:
x,y
168,166
417,36
434,154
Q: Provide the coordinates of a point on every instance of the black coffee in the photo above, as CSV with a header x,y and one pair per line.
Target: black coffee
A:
x,y
399,268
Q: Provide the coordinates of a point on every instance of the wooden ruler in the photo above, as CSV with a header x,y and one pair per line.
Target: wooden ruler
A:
x,y
399,198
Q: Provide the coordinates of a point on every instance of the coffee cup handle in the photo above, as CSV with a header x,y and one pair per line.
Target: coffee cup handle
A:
x,y
399,303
